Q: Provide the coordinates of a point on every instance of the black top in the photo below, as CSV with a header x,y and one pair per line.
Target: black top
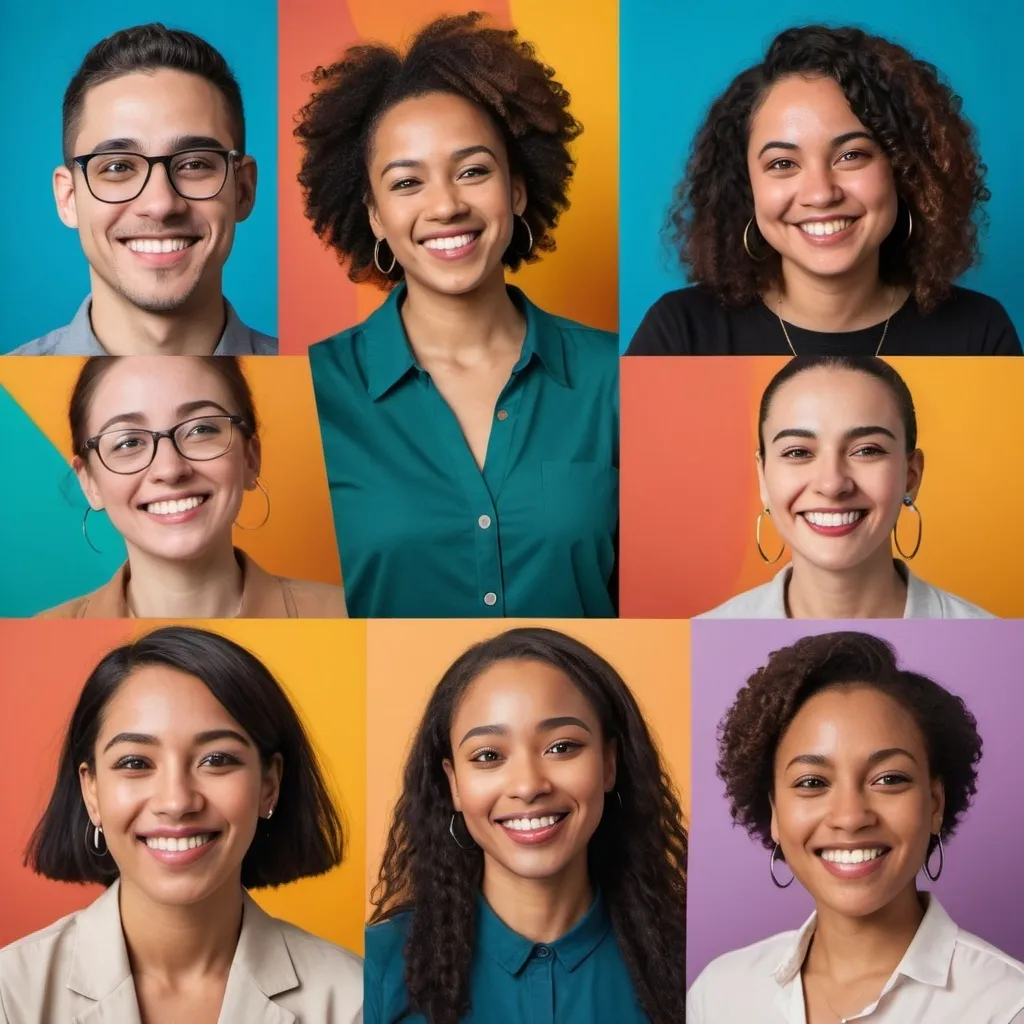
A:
x,y
691,322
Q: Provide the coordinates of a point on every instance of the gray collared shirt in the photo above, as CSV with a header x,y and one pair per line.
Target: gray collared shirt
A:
x,y
77,338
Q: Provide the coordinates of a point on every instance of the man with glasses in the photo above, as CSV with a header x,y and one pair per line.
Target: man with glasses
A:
x,y
155,178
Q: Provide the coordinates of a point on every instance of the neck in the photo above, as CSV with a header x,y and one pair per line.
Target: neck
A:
x,y
171,943
871,590
540,909
848,302
208,587
123,329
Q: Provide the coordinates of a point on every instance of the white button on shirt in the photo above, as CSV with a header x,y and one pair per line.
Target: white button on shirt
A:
x,y
946,976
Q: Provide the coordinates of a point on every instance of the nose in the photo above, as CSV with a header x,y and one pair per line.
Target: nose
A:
x,y
168,463
849,807
832,476
444,201
158,200
175,794
818,185
528,780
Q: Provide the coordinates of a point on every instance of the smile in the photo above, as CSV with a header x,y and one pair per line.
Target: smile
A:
x,y
833,519
852,856
159,245
451,242
174,507
172,845
824,228
531,824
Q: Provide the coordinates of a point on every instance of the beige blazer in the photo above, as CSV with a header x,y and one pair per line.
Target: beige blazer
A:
x,y
263,597
77,972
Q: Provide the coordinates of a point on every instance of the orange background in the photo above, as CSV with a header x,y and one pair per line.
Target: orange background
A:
x,y
579,280
689,498
298,538
406,659
43,666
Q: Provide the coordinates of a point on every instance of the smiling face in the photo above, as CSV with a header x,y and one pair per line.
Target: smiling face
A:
x,y
853,805
443,195
835,469
177,788
529,771
177,509
156,114
824,193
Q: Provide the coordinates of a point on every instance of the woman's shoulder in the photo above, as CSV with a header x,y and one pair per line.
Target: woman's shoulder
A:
x,y
689,321
28,964
764,602
385,941
315,600
320,957
988,964
926,601
76,608
106,602
738,969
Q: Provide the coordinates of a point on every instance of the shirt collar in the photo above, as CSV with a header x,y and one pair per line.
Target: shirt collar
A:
x,y
390,357
511,950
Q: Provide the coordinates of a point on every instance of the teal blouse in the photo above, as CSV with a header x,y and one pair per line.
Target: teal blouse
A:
x,y
580,978
422,532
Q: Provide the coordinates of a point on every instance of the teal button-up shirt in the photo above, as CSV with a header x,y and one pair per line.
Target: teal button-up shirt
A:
x,y
422,532
580,978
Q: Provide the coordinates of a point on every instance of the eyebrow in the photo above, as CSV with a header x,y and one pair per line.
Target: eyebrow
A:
x,y
839,140
201,738
879,755
544,726
178,143
459,154
853,434
182,410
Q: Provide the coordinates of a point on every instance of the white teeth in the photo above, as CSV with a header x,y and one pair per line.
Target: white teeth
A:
x,y
833,518
158,244
172,845
168,508
820,228
851,856
454,242
531,824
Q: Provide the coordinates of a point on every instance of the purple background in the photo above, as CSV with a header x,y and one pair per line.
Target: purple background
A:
x,y
732,901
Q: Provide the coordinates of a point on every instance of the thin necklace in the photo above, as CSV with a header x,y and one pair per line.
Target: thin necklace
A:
x,y
132,615
885,329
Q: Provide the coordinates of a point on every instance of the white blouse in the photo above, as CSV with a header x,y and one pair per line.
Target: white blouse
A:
x,y
946,976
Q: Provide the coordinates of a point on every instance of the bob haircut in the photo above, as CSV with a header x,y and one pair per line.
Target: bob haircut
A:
x,y
304,837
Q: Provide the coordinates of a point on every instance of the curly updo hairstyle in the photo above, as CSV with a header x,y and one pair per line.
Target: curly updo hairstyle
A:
x,y
915,118
490,67
752,729
636,857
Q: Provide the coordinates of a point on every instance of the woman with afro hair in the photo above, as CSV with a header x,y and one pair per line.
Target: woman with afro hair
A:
x,y
854,773
470,438
829,204
535,868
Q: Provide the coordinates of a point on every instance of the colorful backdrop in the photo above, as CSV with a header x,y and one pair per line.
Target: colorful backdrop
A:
x,y
46,560
689,480
43,666
677,57
46,283
735,903
579,280
406,659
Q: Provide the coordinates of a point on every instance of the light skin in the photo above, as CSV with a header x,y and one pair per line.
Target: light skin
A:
x,y
169,759
438,168
143,302
811,161
528,745
851,772
835,443
180,564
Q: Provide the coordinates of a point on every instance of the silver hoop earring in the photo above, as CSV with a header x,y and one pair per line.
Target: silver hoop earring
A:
x,y
910,225
376,259
942,859
93,848
529,235
746,244
85,530
771,868
451,832
259,484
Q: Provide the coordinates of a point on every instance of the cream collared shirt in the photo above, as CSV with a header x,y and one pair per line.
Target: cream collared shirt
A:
x,y
77,972
946,976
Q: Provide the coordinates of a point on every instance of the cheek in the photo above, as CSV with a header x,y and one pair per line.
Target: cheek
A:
x,y
771,197
117,493
478,792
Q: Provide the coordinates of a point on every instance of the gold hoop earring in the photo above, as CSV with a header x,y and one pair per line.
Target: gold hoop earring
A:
x,y
85,530
376,259
529,235
746,244
908,502
259,484
760,550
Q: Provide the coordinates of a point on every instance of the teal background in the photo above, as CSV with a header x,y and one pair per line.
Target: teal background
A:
x,y
676,56
45,276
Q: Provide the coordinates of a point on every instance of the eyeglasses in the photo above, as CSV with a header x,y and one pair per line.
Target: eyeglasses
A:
x,y
200,439
121,177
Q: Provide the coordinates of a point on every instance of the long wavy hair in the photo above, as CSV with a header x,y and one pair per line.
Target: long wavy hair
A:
x,y
637,855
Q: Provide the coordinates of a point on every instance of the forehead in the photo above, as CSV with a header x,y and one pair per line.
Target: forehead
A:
x,y
155,108
832,397
799,109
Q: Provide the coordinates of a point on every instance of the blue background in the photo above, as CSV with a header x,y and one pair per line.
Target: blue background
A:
x,y
45,275
678,55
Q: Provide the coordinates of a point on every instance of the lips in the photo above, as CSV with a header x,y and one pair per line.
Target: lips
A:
x,y
158,245
173,506
826,228
845,517
852,863
533,830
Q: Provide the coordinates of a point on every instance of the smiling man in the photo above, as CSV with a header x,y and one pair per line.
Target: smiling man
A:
x,y
155,178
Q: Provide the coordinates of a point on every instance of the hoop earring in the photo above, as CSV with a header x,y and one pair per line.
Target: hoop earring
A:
x,y
910,225
93,848
376,259
529,234
746,244
266,517
909,503
771,868
760,550
85,530
451,830
270,814
942,859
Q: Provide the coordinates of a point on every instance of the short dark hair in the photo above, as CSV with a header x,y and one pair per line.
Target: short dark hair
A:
x,y
869,365
305,836
150,48
491,67
752,729
95,367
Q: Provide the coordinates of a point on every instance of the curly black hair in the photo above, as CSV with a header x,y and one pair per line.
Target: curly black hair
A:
x,y
637,855
750,732
490,67
916,119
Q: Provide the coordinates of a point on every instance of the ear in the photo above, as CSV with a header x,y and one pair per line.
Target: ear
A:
x,y
453,783
938,806
611,763
762,487
375,222
519,196
245,188
64,194
774,823
87,781
87,483
915,471
253,461
270,790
